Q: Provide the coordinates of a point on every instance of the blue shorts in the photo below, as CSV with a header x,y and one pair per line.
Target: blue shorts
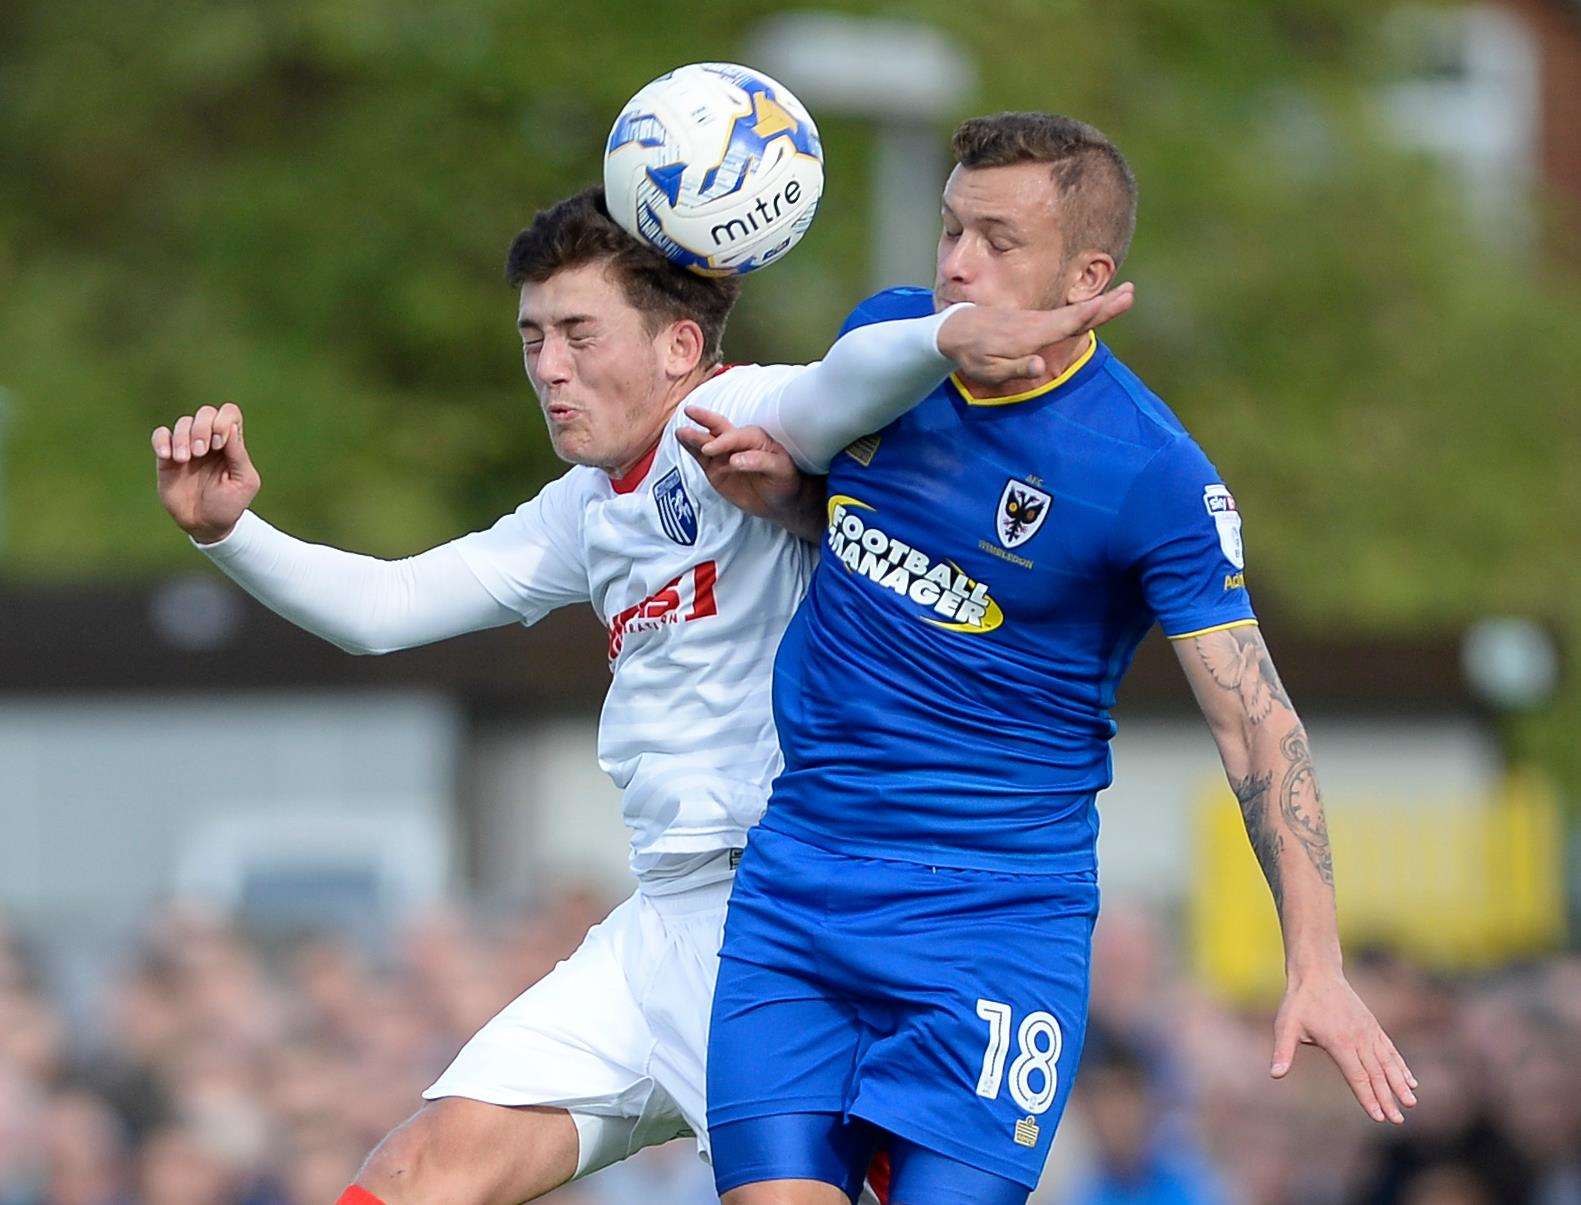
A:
x,y
943,1007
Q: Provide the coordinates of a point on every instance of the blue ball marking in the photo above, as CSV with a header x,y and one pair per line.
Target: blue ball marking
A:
x,y
644,129
653,230
667,179
745,145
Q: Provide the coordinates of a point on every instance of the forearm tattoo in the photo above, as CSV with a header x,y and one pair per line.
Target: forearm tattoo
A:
x,y
1267,843
1242,666
1237,660
1301,804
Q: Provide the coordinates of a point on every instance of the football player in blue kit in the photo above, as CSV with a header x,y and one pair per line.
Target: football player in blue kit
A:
x,y
906,957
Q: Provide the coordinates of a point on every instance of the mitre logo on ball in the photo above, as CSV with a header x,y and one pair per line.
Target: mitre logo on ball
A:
x,y
715,165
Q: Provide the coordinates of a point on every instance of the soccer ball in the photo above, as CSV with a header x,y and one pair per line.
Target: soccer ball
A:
x,y
716,166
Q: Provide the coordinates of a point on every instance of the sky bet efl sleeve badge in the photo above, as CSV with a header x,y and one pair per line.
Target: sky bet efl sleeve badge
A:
x,y
1221,505
677,515
1022,509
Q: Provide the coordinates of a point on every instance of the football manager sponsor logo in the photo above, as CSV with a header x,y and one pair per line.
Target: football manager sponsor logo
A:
x,y
949,598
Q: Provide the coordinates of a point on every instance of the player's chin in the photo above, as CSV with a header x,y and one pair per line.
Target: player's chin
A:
x,y
571,444
579,446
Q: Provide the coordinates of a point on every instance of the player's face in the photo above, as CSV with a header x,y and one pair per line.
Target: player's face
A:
x,y
1001,243
595,366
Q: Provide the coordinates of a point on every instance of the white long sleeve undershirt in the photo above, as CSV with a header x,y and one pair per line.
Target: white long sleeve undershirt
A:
x,y
870,377
361,603
367,605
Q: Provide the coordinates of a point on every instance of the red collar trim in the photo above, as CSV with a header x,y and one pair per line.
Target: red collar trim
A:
x,y
631,480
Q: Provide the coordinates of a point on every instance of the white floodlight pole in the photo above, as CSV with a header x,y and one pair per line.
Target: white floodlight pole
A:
x,y
907,78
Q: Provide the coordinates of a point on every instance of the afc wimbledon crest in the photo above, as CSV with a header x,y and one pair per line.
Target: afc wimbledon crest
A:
x,y
1221,505
1022,509
677,515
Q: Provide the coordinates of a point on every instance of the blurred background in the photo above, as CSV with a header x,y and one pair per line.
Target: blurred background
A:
x,y
254,893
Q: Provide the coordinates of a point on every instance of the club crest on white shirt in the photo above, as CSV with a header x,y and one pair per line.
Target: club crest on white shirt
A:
x,y
1221,505
677,515
1022,509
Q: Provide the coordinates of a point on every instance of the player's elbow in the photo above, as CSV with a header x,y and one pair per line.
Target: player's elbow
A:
x,y
362,644
1236,738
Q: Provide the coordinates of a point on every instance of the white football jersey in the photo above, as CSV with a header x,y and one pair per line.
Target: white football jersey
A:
x,y
695,595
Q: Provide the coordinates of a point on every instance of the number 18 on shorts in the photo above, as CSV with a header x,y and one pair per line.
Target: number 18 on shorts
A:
x,y
945,1007
1034,1075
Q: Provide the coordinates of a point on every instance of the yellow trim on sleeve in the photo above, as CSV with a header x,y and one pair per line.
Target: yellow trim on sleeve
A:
x,y
1081,360
1223,627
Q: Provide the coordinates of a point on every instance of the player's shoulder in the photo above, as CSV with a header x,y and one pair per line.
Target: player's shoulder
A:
x,y
734,389
888,305
576,483
1147,452
551,518
1119,408
564,498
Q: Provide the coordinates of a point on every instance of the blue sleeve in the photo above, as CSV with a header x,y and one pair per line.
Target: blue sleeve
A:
x,y
1180,533
904,302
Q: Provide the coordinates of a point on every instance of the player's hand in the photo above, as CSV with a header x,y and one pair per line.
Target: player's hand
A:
x,y
751,471
205,477
1326,1012
995,345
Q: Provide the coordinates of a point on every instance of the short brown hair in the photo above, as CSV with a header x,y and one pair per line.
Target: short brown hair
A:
x,y
580,231
1096,188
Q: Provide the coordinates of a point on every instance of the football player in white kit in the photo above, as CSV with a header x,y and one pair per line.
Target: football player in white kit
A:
x,y
604,1055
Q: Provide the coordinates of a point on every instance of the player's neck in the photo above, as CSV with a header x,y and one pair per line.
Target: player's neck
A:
x,y
1057,360
661,418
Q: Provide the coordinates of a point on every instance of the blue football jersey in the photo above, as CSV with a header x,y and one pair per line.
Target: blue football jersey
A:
x,y
989,568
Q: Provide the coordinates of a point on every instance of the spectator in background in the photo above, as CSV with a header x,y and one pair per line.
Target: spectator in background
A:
x,y
179,1166
85,1152
21,1168
1537,1098
232,1072
1453,1132
1447,1184
1137,1160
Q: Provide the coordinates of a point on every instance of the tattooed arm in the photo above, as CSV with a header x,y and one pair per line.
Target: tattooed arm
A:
x,y
1264,749
1269,764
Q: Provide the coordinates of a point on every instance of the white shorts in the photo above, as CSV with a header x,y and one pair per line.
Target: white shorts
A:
x,y
616,1034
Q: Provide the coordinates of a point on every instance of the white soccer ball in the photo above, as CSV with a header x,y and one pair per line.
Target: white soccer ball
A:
x,y
715,165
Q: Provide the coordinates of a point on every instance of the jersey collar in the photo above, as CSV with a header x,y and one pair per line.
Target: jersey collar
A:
x,y
1064,378
627,482
630,480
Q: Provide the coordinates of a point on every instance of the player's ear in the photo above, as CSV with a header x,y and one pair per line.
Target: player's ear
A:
x,y
682,348
1090,275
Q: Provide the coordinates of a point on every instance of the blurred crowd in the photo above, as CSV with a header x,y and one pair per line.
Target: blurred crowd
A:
x,y
216,1069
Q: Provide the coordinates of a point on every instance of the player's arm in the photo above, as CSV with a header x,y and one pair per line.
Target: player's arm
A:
x,y
750,470
1178,533
207,481
1268,761
875,373
872,375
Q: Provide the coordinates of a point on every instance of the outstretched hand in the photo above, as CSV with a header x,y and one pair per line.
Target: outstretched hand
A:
x,y
995,345
1326,1012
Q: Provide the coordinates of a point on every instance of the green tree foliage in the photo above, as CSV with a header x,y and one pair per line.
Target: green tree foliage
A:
x,y
304,207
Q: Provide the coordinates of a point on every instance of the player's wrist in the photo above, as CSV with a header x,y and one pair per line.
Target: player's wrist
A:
x,y
1321,962
950,338
207,535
